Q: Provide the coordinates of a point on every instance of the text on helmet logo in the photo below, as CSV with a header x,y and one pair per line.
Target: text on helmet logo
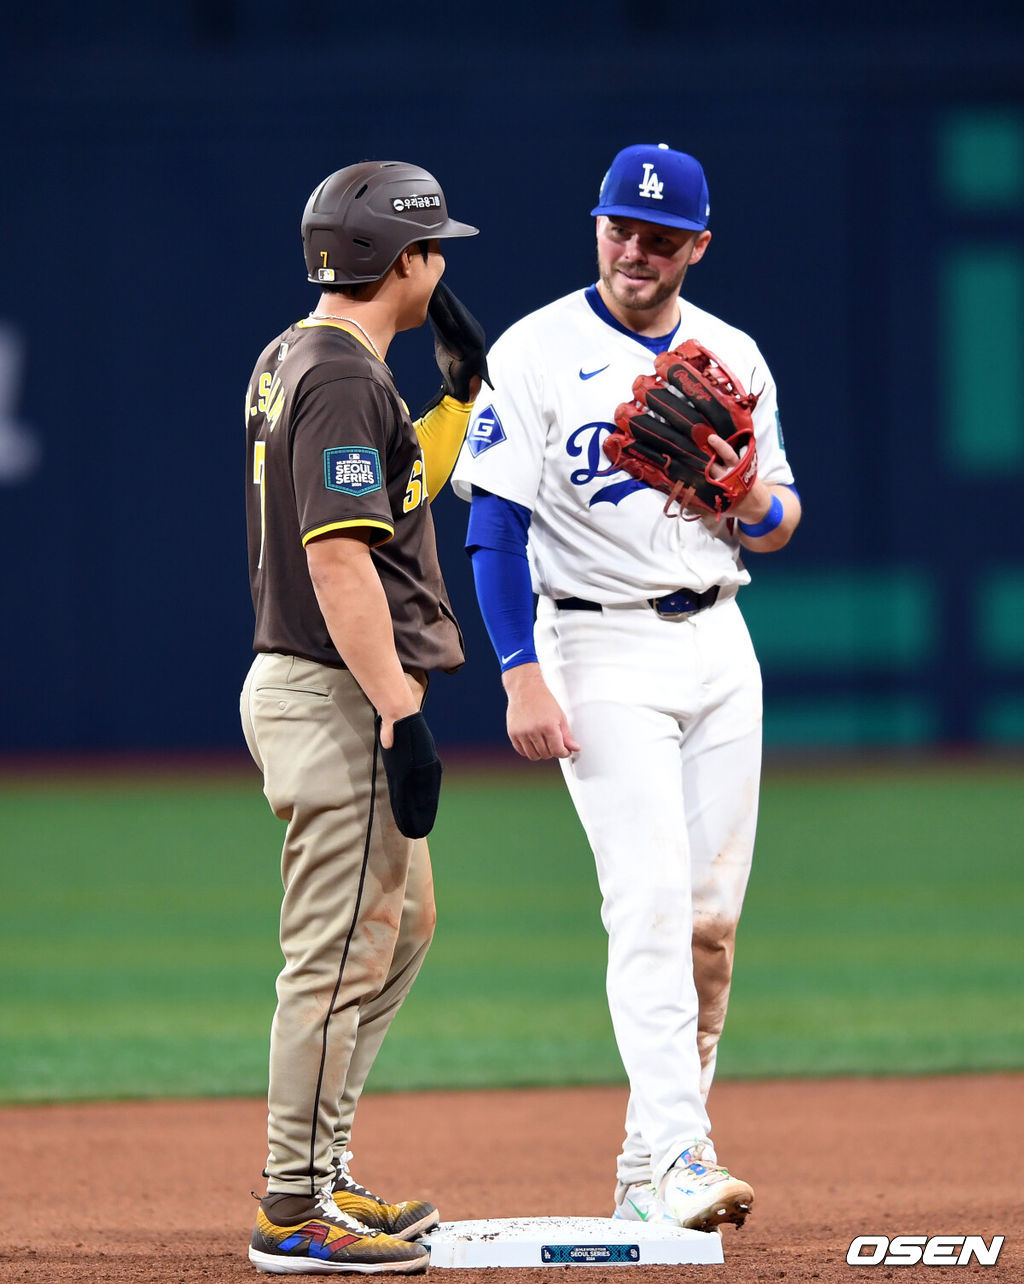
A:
x,y
651,185
403,203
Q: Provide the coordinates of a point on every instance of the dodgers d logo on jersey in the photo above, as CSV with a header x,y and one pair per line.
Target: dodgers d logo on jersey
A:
x,y
587,440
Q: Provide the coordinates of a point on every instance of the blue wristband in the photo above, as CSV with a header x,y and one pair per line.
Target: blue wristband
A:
x,y
767,523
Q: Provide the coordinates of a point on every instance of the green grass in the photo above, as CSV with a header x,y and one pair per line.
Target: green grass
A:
x,y
138,935
883,927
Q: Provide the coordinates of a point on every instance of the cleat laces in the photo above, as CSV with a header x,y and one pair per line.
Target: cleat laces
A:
x,y
325,1203
346,1179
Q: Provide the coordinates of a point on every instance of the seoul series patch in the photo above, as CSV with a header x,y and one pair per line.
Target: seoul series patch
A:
x,y
352,470
588,1254
485,432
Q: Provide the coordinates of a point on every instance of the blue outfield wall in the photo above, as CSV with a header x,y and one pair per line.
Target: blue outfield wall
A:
x,y
867,191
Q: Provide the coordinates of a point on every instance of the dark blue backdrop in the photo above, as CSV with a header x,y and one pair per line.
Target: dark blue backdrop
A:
x,y
155,166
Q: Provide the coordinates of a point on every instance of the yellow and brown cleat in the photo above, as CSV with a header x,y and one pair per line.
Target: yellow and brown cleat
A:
x,y
296,1236
406,1220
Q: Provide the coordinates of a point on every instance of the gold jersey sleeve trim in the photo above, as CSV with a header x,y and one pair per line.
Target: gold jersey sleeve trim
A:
x,y
350,525
442,431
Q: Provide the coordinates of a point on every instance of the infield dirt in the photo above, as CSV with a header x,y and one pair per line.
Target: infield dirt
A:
x,y
160,1191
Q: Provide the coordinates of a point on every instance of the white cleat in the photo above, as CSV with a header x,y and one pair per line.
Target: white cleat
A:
x,y
700,1194
639,1202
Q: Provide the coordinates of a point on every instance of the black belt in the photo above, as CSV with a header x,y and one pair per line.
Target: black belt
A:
x,y
682,602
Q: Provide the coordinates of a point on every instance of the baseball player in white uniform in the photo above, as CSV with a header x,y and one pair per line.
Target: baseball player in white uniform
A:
x,y
638,672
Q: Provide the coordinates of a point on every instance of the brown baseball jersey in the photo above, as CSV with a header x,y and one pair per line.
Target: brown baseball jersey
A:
x,y
331,447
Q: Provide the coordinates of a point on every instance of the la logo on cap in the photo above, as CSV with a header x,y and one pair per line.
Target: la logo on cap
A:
x,y
653,182
651,185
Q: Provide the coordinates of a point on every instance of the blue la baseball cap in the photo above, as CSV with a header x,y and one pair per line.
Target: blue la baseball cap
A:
x,y
655,183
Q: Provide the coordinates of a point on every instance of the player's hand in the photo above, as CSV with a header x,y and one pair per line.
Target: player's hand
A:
x,y
537,727
725,453
729,459
398,708
754,505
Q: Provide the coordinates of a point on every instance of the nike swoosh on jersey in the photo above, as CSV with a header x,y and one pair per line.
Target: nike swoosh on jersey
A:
x,y
505,658
590,373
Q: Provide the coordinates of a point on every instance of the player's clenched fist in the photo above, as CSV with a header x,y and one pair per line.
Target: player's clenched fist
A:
x,y
537,727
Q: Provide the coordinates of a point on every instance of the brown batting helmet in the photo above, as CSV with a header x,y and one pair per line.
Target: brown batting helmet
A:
x,y
359,219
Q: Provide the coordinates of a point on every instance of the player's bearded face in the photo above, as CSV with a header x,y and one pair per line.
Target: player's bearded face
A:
x,y
641,264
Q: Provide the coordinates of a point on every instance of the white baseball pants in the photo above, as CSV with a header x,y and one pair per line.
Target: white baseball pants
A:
x,y
668,717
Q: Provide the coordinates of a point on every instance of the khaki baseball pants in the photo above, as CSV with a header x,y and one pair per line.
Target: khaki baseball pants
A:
x,y
357,914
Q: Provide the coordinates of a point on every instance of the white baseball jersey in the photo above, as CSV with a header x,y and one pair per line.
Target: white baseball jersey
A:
x,y
596,532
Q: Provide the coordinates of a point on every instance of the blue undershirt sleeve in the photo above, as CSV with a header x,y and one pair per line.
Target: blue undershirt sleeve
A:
x,y
496,542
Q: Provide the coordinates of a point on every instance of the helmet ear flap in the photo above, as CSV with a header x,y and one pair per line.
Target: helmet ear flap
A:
x,y
333,259
359,219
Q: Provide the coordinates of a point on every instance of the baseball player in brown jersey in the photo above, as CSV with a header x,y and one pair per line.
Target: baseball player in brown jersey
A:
x,y
351,617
